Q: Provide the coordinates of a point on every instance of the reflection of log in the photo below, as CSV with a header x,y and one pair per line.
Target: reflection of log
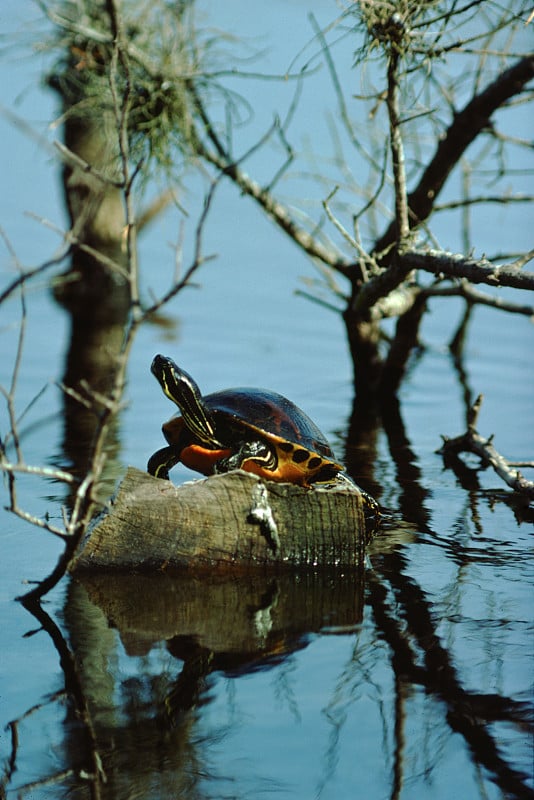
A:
x,y
232,520
210,622
247,614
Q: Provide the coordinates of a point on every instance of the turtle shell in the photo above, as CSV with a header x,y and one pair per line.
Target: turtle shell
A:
x,y
245,415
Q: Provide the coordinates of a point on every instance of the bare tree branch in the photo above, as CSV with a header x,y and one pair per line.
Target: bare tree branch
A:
x,y
476,270
504,199
465,127
221,158
474,296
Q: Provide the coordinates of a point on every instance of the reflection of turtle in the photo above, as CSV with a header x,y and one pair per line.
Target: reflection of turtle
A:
x,y
251,429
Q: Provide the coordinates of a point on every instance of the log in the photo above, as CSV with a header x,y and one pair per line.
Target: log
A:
x,y
235,520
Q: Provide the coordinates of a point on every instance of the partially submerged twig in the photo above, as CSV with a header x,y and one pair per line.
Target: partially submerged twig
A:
x,y
472,442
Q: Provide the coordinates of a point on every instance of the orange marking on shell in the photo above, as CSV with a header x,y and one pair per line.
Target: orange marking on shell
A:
x,y
286,474
287,470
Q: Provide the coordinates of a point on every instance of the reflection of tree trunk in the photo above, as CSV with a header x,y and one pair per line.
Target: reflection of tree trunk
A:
x,y
361,454
408,472
361,446
128,732
96,337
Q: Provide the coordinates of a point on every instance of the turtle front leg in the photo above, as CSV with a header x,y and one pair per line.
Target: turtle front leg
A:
x,y
162,461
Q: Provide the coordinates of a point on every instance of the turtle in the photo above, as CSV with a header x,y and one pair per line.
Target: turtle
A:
x,y
257,430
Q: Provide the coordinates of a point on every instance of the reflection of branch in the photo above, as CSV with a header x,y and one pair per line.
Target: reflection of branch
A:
x,y
73,687
473,442
413,501
468,713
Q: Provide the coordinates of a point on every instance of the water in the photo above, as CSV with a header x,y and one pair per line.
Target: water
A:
x,y
411,680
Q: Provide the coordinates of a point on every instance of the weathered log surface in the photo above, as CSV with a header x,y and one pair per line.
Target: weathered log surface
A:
x,y
231,520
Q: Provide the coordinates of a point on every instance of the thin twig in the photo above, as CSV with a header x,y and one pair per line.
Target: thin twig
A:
x,y
74,160
196,261
122,102
27,275
221,159
504,199
397,149
52,473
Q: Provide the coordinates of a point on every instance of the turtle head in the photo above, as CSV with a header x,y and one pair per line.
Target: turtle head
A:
x,y
180,387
